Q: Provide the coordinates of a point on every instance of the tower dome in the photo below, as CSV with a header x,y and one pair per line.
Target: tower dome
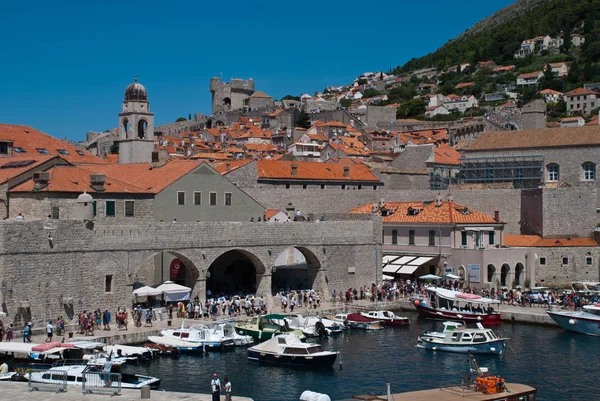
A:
x,y
136,91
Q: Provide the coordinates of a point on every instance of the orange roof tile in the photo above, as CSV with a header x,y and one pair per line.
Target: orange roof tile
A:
x,y
429,213
260,94
531,74
550,92
212,156
110,158
446,155
11,167
317,137
580,91
222,167
464,85
260,147
537,241
270,213
269,169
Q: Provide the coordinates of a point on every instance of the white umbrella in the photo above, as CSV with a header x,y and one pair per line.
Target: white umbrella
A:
x,y
146,291
174,292
430,277
451,277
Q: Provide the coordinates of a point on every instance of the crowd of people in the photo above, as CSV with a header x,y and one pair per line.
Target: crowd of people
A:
x,y
218,308
308,299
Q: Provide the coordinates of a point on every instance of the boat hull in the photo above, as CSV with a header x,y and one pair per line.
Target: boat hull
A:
x,y
578,322
316,361
438,314
260,335
491,347
395,322
190,346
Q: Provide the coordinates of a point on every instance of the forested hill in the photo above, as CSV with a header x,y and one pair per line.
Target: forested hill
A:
x,y
499,36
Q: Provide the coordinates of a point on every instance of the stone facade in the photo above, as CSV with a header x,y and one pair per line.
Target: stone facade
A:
x,y
583,264
231,95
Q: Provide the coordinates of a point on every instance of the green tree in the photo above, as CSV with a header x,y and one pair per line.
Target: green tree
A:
x,y
381,76
290,97
410,109
345,102
303,120
362,81
371,92
180,119
189,116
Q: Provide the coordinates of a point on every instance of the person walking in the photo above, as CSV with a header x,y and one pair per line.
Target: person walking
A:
x,y
227,389
49,331
27,333
9,333
215,385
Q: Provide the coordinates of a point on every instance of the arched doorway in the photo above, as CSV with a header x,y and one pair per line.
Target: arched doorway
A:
x,y
233,273
295,269
491,271
173,266
227,103
518,272
504,274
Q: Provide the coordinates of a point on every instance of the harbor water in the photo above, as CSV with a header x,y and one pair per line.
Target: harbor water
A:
x,y
561,365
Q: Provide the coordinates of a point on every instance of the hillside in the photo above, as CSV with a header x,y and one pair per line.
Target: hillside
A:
x,y
499,36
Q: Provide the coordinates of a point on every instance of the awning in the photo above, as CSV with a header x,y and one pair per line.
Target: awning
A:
x,y
391,268
478,228
394,264
407,269
419,261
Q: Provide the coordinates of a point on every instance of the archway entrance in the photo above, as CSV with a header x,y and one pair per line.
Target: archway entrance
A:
x,y
295,269
518,272
504,274
174,267
233,273
491,270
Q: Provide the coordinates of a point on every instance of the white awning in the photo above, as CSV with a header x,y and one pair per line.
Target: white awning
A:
x,y
478,228
407,269
404,260
387,259
391,269
419,261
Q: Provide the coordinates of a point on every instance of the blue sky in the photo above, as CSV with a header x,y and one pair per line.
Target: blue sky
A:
x,y
64,65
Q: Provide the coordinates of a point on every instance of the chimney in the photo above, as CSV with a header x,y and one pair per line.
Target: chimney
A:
x,y
159,157
40,180
227,166
438,200
346,171
294,170
97,182
497,216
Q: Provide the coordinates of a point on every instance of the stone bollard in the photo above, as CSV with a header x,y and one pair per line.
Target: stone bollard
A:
x,y
145,392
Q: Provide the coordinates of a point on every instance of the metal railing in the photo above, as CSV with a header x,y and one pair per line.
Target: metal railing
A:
x,y
55,380
101,383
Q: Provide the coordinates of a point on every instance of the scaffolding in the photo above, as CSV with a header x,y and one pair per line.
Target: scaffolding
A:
x,y
521,171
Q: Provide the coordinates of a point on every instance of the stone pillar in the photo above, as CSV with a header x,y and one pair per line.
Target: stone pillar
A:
x,y
321,285
199,289
263,288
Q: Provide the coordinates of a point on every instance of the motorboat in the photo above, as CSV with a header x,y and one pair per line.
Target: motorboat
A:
x,y
341,319
288,349
313,326
265,327
358,321
387,318
196,339
457,338
75,376
586,321
458,306
226,330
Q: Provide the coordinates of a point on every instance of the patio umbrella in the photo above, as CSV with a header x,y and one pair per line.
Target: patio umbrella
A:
x,y
146,291
451,277
430,277
174,292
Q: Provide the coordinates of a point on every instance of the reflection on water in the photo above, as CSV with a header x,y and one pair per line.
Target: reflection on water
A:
x,y
563,366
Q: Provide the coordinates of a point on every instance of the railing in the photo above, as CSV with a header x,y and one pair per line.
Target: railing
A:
x,y
101,383
55,380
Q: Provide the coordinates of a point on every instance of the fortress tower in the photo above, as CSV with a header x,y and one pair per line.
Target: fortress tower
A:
x,y
231,95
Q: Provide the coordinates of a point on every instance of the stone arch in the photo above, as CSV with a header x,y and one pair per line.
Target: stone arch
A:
x,y
142,128
299,272
519,269
504,272
491,272
219,123
511,125
234,272
227,103
125,124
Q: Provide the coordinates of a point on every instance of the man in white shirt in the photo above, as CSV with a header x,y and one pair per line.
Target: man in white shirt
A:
x,y
20,217
227,390
49,332
215,386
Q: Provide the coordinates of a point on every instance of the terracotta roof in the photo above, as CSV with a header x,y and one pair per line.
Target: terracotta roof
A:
x,y
538,138
110,158
11,167
446,155
221,167
504,68
464,85
531,75
569,119
317,137
275,113
537,241
580,91
260,94
260,147
550,92
212,156
594,120
270,213
428,213
30,140
349,150
268,169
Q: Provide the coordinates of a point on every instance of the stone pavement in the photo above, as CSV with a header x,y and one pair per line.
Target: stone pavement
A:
x,y
14,391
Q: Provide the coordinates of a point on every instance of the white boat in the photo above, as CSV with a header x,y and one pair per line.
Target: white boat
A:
x,y
75,377
198,339
311,326
387,318
586,321
226,330
457,338
288,349
342,320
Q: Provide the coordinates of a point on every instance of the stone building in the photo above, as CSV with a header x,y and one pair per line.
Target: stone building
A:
x,y
136,126
581,101
231,95
259,100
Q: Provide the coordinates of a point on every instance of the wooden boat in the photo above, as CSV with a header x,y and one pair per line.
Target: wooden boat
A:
x,y
457,338
265,327
454,305
288,349
387,318
358,321
584,322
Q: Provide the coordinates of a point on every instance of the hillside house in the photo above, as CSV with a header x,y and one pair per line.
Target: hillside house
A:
x,y
560,69
581,101
530,79
572,122
550,95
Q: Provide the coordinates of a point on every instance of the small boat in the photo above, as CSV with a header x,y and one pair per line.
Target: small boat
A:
x,y
458,306
226,330
586,321
358,321
288,349
457,338
265,327
387,318
162,350
75,377
196,339
341,319
313,326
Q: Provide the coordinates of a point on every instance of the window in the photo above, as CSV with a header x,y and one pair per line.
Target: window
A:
x,y
360,187
55,212
492,238
197,198
431,237
411,237
227,198
303,186
287,186
80,153
95,208
108,283
19,150
4,148
129,208
589,171
343,186
110,208
180,197
542,261
588,260
565,260
553,172
42,151
322,186
63,152
463,238
213,198
394,237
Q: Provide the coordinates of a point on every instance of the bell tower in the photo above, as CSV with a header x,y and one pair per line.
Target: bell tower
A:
x,y
136,126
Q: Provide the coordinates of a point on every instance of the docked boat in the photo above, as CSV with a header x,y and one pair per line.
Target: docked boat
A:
x,y
226,330
358,321
458,306
387,318
265,327
457,338
75,377
288,349
314,326
586,321
196,339
341,319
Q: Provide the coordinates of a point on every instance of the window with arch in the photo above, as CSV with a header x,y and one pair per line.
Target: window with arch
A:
x,y
553,172
589,171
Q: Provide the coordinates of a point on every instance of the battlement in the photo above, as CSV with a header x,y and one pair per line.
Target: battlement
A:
x,y
242,84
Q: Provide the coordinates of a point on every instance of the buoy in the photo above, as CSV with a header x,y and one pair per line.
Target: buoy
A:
x,y
493,349
572,321
434,348
478,317
416,302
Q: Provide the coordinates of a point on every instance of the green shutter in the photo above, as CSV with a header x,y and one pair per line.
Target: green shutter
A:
x,y
492,236
110,208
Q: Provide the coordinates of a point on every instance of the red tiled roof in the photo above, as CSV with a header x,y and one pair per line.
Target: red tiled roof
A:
x,y
550,92
212,156
317,137
271,212
580,91
464,85
260,147
269,169
446,155
537,241
221,167
26,163
530,75
446,213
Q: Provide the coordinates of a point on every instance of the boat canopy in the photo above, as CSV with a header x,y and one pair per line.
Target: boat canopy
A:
x,y
458,296
273,344
21,348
